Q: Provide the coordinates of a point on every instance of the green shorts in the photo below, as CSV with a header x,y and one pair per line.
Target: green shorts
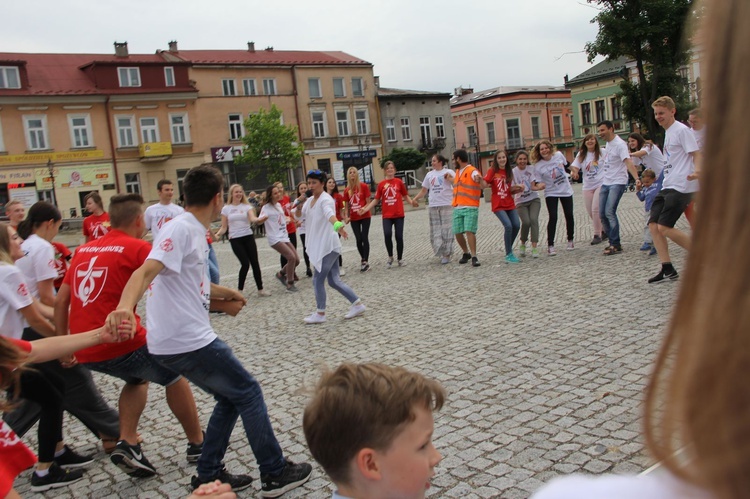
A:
x,y
465,220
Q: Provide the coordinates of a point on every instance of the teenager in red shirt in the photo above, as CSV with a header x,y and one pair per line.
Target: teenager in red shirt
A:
x,y
356,196
96,224
500,179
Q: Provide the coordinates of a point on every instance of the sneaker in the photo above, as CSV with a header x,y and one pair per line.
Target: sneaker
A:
x,y
263,292
389,263
645,247
291,288
522,250
342,272
401,263
597,240
130,459
194,451
534,253
292,477
281,277
465,258
445,260
238,482
512,259
69,460
662,277
365,267
308,272
315,318
570,246
475,262
653,251
355,310
551,251
55,477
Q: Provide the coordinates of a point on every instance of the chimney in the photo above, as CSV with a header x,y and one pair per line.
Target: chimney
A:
x,y
377,81
467,91
121,49
251,46
269,48
173,46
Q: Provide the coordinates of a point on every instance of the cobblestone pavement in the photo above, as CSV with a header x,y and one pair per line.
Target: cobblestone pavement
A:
x,y
545,362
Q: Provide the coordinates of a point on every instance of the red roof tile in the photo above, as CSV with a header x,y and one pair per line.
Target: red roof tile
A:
x,y
267,57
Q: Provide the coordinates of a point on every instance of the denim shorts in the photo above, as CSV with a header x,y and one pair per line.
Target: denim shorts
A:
x,y
135,368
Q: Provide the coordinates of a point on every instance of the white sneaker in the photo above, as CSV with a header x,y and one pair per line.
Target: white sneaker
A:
x,y
551,251
315,318
342,272
263,292
355,310
401,263
570,246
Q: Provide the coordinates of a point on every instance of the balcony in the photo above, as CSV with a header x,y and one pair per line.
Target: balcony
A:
x,y
155,151
432,146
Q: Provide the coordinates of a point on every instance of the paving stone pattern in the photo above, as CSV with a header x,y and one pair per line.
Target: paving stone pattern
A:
x,y
545,362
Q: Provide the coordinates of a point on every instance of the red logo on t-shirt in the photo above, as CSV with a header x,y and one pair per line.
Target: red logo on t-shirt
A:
x,y
166,245
51,264
22,290
89,282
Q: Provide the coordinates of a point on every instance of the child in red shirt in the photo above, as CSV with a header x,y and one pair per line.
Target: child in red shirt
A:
x,y
500,179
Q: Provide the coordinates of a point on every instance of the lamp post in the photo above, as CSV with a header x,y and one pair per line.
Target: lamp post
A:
x,y
51,170
364,159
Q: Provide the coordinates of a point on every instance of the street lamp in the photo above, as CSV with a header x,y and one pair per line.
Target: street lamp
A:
x,y
364,158
51,170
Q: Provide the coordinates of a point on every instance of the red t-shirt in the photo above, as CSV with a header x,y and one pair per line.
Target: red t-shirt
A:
x,y
391,194
98,274
286,205
357,200
339,199
15,457
502,199
95,227
62,257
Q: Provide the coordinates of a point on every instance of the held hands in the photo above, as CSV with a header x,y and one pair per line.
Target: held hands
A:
x,y
415,203
516,189
361,211
540,186
574,175
119,326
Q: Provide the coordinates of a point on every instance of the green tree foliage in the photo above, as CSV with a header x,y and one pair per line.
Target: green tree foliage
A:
x,y
270,146
405,158
653,33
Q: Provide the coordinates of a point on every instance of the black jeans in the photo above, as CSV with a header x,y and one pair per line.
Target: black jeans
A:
x,y
246,252
361,229
567,204
304,251
388,224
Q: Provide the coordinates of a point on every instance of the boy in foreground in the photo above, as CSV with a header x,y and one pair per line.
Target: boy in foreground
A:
x,y
370,428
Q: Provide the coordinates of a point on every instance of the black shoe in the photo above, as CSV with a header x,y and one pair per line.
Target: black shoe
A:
x,y
130,459
56,477
194,450
465,258
365,267
69,460
308,272
664,276
475,261
597,240
293,476
238,482
605,237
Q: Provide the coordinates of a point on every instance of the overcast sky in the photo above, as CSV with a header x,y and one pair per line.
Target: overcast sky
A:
x,y
414,44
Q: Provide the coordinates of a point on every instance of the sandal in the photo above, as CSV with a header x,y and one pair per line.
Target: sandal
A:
x,y
612,250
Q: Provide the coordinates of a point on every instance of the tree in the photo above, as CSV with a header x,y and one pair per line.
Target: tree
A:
x,y
270,146
652,32
405,158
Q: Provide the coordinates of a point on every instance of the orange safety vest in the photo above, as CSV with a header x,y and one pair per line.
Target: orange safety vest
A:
x,y
466,191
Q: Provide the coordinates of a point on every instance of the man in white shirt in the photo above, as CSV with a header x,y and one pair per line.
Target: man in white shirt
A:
x,y
695,119
165,210
176,276
682,153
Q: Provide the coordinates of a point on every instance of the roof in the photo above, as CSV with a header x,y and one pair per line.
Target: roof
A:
x,y
498,91
397,92
266,57
603,70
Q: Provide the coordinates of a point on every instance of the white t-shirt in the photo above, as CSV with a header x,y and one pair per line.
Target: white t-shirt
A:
x,y
178,299
38,264
591,170
440,188
679,142
654,159
655,485
552,173
14,295
613,158
524,177
237,222
276,223
321,238
158,214
700,136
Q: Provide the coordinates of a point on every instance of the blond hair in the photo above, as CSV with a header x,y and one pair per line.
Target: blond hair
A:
x,y
698,399
229,194
5,243
664,101
536,155
352,186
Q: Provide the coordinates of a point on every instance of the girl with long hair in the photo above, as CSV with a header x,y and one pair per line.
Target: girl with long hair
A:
x,y
647,154
96,224
300,197
500,179
275,220
356,196
549,174
587,161
291,226
438,185
333,190
528,204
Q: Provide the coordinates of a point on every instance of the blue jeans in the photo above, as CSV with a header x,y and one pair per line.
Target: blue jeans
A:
x,y
609,198
329,268
215,369
512,224
213,265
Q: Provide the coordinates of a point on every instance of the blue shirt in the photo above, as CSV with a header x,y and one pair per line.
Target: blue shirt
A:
x,y
648,194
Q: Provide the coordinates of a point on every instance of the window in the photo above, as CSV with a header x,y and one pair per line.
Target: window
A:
x,y
129,77
513,132
319,124
557,125
36,132
227,87
342,123
616,109
269,86
9,77
471,132
80,131
439,127
314,85
601,112
390,130
248,86
490,132
149,130
180,128
169,76
572,124
133,183
586,113
339,89
360,118
236,127
425,131
405,129
357,87
536,131
125,131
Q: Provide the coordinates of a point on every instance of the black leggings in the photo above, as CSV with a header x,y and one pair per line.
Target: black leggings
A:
x,y
47,390
567,204
304,251
361,229
388,224
293,240
247,253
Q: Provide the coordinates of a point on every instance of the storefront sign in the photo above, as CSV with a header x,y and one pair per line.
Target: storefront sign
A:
x,y
354,155
225,153
53,156
153,149
8,176
75,176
